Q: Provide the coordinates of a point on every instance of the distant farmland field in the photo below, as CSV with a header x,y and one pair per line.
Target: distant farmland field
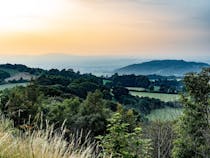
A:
x,y
161,96
165,114
137,89
106,81
11,85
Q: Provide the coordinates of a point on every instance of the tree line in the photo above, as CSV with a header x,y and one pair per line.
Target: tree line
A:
x,y
112,117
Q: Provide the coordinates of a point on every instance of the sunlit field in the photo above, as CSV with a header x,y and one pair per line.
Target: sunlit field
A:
x,y
11,85
137,89
161,96
166,114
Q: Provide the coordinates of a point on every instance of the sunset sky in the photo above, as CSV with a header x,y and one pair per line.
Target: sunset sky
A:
x,y
105,27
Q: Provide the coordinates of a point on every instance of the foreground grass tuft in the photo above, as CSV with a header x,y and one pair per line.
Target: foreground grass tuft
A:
x,y
39,144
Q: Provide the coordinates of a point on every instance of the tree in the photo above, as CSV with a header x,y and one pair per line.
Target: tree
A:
x,y
22,104
60,112
119,92
194,126
93,114
119,142
3,75
162,135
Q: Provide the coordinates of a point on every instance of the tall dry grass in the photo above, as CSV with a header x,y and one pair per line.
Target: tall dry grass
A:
x,y
43,143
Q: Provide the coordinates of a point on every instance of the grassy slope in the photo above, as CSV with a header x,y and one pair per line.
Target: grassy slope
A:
x,y
16,74
19,75
136,89
106,81
166,114
38,144
161,96
11,85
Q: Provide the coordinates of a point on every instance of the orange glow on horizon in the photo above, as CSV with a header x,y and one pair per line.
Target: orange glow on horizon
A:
x,y
82,27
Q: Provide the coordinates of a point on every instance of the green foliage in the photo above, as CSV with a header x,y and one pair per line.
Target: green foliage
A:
x,y
24,105
13,69
21,104
93,114
67,83
3,75
119,92
81,89
144,105
59,112
119,142
194,129
130,116
171,86
130,81
89,115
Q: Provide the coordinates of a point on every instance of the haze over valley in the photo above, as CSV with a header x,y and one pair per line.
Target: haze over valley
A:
x,y
98,65
104,78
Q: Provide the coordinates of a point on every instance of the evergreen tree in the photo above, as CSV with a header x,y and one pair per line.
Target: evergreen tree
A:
x,y
93,114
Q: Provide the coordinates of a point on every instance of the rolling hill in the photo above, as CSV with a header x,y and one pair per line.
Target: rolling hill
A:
x,y
17,73
163,67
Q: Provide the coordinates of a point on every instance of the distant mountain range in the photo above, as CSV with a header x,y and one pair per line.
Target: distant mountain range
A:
x,y
163,67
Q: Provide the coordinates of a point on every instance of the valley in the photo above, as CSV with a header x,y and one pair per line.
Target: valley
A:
x,y
85,102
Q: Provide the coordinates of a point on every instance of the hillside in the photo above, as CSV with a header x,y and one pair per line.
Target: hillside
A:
x,y
163,67
64,114
17,73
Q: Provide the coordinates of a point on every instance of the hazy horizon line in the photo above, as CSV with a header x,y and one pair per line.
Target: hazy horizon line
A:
x,y
105,55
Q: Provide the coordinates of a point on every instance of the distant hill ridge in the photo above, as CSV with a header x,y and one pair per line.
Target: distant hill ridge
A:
x,y
163,67
15,72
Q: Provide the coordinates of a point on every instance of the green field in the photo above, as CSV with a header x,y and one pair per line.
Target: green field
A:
x,y
11,85
161,96
138,89
106,81
165,114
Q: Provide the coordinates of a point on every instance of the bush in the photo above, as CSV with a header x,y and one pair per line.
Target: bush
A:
x,y
119,142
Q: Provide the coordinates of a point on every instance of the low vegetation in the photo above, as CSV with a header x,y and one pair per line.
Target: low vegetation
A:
x,y
122,125
193,128
45,143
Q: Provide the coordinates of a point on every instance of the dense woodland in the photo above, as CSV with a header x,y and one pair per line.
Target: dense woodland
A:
x,y
110,116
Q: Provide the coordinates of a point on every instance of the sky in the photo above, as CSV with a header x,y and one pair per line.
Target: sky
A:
x,y
143,28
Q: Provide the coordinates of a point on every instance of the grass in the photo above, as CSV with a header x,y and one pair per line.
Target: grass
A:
x,y
11,85
161,96
137,89
165,114
106,81
40,143
156,88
